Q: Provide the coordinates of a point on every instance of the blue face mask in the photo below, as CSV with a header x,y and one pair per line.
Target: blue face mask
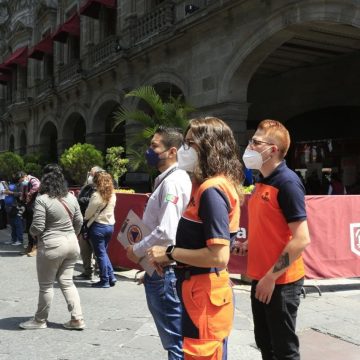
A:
x,y
152,158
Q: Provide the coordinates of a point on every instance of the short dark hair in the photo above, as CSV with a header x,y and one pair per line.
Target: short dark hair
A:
x,y
19,175
171,136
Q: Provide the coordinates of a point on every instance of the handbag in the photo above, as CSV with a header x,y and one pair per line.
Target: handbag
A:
x,y
85,229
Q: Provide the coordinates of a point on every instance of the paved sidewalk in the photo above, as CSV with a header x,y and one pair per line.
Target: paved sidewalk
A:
x,y
119,325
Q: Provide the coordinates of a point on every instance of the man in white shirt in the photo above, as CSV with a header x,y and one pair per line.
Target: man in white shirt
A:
x,y
172,189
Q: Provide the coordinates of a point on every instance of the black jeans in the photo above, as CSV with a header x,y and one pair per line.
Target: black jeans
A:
x,y
275,323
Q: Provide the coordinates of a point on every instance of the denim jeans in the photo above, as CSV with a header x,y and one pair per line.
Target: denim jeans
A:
x,y
17,228
165,307
275,323
100,235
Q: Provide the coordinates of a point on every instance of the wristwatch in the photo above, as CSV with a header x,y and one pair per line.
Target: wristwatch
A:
x,y
169,250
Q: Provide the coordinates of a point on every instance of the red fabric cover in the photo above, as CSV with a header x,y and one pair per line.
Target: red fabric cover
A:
x,y
45,46
334,225
19,57
69,27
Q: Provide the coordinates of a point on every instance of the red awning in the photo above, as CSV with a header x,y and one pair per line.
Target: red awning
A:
x,y
70,27
4,79
5,69
19,57
45,46
91,8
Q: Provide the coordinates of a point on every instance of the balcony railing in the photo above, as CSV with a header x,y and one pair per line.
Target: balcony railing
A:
x,y
150,24
101,51
69,71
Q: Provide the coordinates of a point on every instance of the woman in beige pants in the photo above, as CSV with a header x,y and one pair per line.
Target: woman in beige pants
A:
x,y
57,220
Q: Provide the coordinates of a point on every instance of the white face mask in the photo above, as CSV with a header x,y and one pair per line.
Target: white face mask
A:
x,y
187,159
253,159
90,179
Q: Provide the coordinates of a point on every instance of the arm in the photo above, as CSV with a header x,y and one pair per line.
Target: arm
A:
x,y
39,219
299,241
172,202
77,218
35,184
214,213
210,256
94,204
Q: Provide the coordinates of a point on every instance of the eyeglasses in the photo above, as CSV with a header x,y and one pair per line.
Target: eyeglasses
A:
x,y
187,144
258,142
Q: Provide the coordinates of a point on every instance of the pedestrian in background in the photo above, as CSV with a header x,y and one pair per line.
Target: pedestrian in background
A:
x,y
278,234
100,220
166,204
29,186
205,230
86,250
3,215
15,209
57,221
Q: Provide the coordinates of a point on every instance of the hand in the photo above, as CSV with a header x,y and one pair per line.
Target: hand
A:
x,y
159,269
240,248
157,255
264,289
131,255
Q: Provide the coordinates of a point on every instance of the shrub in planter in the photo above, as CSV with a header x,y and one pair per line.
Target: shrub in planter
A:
x,y
10,163
78,159
34,169
115,165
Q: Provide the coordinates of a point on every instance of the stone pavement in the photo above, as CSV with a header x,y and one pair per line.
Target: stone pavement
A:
x,y
119,325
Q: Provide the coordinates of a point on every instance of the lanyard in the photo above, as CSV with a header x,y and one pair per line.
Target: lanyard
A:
x,y
170,172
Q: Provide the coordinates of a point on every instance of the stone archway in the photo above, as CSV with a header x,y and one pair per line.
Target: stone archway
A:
x,y
73,131
292,26
23,142
48,141
12,143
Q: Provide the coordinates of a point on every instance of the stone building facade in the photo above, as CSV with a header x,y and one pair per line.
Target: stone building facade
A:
x,y
67,64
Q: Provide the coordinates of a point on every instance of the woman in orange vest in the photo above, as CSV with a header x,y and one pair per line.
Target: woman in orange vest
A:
x,y
203,238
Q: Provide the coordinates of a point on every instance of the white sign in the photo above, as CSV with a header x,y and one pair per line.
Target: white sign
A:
x,y
355,238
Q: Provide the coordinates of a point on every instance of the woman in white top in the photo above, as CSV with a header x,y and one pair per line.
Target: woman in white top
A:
x,y
101,219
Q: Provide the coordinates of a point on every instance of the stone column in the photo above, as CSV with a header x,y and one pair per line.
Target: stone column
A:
x,y
97,139
234,114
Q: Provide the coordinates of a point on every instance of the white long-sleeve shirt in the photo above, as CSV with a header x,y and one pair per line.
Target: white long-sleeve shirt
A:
x,y
164,209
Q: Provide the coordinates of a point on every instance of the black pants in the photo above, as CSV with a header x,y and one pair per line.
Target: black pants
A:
x,y
3,215
275,323
29,214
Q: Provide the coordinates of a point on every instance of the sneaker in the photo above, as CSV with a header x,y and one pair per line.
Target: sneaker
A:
x,y
75,325
82,276
16,243
101,285
32,324
112,282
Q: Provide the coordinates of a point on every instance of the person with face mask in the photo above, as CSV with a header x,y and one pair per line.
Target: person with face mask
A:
x,y
166,204
278,234
86,250
29,186
203,238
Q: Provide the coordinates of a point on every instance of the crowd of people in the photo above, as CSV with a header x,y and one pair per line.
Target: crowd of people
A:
x,y
193,215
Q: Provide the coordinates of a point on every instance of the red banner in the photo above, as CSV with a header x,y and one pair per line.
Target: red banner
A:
x,y
334,225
